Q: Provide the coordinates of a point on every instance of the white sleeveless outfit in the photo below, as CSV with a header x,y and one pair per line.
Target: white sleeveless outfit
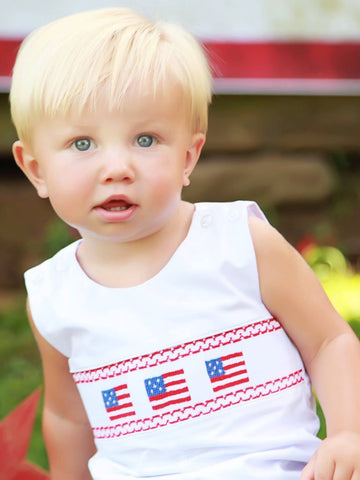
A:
x,y
186,376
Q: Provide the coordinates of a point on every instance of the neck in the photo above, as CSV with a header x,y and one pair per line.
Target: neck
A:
x,y
126,264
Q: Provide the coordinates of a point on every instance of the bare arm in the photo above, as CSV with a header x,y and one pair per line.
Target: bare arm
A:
x,y
329,348
67,432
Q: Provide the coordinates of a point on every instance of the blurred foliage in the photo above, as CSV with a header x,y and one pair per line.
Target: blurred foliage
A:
x,y
58,236
338,279
20,369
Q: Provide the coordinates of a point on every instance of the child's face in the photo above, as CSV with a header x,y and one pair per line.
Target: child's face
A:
x,y
116,175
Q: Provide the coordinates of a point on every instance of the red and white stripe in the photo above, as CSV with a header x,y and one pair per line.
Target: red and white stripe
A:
x,y
176,391
235,372
125,407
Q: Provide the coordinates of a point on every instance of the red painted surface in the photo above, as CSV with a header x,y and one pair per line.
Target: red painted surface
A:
x,y
15,435
281,60
261,60
8,51
321,67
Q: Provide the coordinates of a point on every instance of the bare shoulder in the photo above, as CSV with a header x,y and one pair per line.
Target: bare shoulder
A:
x,y
267,239
274,255
67,431
280,266
291,291
61,394
51,357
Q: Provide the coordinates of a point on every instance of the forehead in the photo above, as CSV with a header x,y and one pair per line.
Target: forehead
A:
x,y
137,102
138,110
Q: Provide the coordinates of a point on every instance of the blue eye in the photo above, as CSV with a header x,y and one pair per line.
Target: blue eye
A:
x,y
145,141
82,144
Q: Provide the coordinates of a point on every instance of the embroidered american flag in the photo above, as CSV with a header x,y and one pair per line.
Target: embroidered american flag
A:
x,y
167,389
117,402
227,371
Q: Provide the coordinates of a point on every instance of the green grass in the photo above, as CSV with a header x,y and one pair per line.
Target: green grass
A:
x,y
20,370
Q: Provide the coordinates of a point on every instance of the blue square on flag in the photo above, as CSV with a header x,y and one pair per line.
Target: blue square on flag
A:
x,y
215,367
109,397
155,386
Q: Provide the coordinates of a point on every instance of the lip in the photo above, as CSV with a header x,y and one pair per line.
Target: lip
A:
x,y
108,209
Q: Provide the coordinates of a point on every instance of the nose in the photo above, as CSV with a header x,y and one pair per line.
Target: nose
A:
x,y
117,166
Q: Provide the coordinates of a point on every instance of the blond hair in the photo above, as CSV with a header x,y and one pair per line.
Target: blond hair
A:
x,y
62,65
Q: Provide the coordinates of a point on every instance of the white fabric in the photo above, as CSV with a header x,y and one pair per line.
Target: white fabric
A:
x,y
199,381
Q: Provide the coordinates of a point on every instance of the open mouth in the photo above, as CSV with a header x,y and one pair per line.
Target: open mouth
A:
x,y
116,206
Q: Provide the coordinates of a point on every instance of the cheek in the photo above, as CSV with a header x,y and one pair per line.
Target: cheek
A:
x,y
165,184
67,192
168,172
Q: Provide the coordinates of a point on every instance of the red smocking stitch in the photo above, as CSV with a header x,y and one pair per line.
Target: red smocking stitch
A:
x,y
203,408
174,353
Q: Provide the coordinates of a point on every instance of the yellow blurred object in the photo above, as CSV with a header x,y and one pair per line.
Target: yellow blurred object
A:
x,y
340,283
325,261
344,293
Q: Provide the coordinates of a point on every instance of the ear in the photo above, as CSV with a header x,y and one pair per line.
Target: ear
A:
x,y
31,168
192,155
